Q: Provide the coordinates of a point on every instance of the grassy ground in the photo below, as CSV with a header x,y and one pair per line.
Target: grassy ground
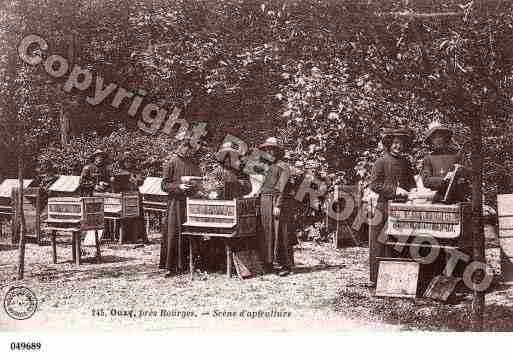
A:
x,y
327,292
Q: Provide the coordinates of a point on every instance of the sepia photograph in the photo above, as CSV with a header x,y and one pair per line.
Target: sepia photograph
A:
x,y
244,166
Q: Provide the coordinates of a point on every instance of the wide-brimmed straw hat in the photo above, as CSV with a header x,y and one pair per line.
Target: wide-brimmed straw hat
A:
x,y
438,128
390,133
226,148
273,142
98,153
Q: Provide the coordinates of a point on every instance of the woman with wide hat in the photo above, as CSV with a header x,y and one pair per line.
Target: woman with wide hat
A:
x,y
96,176
391,179
276,212
439,165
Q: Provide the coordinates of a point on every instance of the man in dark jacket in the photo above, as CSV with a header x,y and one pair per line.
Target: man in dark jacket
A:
x,y
183,163
97,175
276,210
392,179
438,166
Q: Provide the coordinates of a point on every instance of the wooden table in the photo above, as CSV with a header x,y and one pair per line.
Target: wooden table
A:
x,y
228,220
120,208
193,238
75,243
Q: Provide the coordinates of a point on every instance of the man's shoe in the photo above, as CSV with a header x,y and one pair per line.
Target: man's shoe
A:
x,y
283,272
168,274
370,285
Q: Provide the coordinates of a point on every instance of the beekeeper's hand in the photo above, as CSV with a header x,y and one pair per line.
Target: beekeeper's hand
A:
x,y
185,187
276,211
401,192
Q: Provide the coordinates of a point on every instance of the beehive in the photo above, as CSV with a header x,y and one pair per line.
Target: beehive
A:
x,y
6,192
450,223
85,213
65,186
153,198
120,205
237,217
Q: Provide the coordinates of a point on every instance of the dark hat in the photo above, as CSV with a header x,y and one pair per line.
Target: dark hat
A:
x,y
98,153
390,133
126,157
438,128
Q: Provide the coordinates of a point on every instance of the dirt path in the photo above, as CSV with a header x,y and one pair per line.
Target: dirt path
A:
x,y
326,292
128,280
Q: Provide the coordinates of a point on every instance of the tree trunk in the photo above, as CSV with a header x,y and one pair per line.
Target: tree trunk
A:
x,y
478,300
65,126
21,219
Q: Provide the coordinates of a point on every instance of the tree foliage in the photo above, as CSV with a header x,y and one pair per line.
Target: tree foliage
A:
x,y
326,76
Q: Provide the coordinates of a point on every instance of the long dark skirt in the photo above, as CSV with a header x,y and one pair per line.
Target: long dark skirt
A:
x,y
377,238
274,237
171,236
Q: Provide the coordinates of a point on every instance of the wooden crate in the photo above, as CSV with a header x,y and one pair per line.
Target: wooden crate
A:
x,y
153,198
154,203
505,213
449,224
120,205
343,197
236,217
6,190
31,210
85,213
6,207
65,186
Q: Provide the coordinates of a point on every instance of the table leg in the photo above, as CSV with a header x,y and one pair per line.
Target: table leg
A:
x,y
147,223
180,252
112,231
229,259
122,230
54,246
191,256
13,230
73,248
78,248
97,243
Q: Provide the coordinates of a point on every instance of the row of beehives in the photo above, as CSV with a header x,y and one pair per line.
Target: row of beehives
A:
x,y
66,205
90,212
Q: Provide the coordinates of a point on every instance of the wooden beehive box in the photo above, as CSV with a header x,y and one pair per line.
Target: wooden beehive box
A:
x,y
237,217
31,210
450,224
85,213
65,186
120,205
6,190
153,198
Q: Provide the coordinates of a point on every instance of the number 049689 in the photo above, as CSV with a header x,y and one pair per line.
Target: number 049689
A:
x,y
25,346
